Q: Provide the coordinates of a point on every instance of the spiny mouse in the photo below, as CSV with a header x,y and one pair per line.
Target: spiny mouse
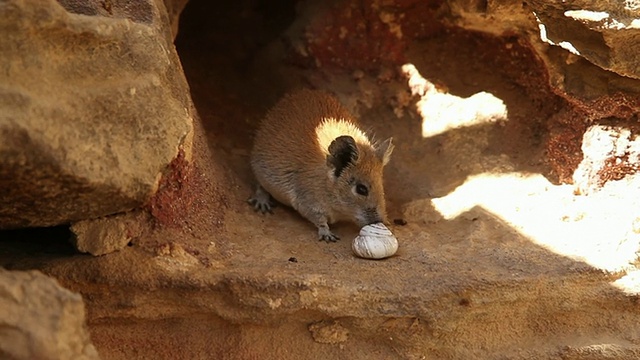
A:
x,y
310,154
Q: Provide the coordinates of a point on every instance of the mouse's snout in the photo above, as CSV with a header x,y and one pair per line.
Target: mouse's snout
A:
x,y
370,215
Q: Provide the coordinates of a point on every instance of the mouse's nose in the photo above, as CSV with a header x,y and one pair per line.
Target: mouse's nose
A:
x,y
372,215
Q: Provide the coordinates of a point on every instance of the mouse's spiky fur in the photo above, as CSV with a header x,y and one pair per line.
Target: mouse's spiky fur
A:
x,y
310,154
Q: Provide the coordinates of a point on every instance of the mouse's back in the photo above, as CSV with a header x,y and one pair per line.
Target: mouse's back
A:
x,y
287,138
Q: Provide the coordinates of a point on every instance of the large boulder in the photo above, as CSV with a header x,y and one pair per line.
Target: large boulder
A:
x,y
601,32
93,107
39,319
588,51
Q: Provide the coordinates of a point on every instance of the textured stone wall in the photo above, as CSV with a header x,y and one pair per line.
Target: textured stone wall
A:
x,y
93,107
586,52
39,319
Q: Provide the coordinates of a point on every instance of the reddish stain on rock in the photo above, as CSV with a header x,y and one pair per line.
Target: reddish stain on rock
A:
x,y
354,36
177,194
564,149
567,128
361,35
617,168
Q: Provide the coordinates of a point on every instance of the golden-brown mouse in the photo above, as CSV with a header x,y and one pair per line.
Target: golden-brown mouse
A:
x,y
310,154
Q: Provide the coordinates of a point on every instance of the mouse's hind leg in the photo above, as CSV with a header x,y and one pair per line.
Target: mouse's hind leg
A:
x,y
261,201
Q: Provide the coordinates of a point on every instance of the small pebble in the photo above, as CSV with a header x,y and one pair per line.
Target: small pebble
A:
x,y
401,222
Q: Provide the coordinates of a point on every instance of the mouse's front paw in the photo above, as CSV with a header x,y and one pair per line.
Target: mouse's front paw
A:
x,y
324,234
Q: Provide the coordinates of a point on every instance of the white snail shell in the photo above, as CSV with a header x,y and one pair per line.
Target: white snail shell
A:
x,y
375,241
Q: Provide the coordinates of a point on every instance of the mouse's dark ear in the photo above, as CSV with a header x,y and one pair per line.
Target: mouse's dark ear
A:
x,y
342,152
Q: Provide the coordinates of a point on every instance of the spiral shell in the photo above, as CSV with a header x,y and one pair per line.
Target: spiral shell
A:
x,y
375,241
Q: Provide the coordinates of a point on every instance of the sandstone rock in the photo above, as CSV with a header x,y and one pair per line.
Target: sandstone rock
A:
x,y
471,287
41,320
600,352
600,32
92,109
609,154
174,9
328,332
105,235
328,35
587,52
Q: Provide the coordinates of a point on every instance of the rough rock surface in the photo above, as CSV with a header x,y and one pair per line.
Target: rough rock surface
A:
x,y
595,80
41,320
610,153
495,261
174,8
107,234
591,66
93,107
601,32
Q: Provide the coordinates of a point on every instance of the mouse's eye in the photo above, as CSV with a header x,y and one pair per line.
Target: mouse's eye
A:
x,y
362,190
